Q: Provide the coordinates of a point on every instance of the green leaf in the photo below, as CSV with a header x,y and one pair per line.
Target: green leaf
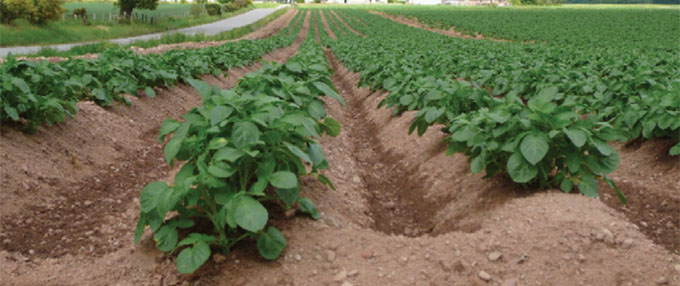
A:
x,y
141,223
578,137
204,89
477,164
534,147
219,113
257,188
603,147
294,67
191,258
675,150
328,91
288,196
250,214
149,92
149,198
331,126
270,243
228,154
316,110
221,171
172,148
566,185
316,154
298,152
169,126
465,134
284,180
519,169
11,112
244,134
619,193
307,206
166,238
588,185
326,181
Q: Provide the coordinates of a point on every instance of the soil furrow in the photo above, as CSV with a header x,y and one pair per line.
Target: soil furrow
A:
x,y
451,32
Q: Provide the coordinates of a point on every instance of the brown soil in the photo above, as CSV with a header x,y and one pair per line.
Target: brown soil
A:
x,y
402,214
413,22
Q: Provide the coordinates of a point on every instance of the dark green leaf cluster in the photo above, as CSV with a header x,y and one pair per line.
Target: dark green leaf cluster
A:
x,y
244,151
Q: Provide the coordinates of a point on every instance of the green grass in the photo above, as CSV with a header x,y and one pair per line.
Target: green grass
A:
x,y
22,33
170,39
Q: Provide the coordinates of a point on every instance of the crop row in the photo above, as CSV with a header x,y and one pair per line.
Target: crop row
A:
x,y
519,110
618,29
243,150
35,93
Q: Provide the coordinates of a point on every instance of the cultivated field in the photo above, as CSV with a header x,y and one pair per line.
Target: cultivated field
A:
x,y
376,145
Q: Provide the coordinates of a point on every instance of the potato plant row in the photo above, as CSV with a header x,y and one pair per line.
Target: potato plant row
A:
x,y
36,93
243,151
512,108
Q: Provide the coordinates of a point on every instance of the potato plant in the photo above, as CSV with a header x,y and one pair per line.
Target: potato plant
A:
x,y
243,152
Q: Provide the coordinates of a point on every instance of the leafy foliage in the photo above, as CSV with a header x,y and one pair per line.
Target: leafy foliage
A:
x,y
242,147
541,113
43,92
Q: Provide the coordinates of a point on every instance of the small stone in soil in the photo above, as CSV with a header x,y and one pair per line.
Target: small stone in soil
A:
x,y
353,273
493,256
330,255
219,258
484,275
298,257
368,254
662,281
340,276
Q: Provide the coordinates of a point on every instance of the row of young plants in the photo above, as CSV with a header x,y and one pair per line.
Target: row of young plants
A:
x,y
546,138
35,93
243,151
635,90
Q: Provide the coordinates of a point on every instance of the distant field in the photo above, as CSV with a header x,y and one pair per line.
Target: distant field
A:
x,y
613,25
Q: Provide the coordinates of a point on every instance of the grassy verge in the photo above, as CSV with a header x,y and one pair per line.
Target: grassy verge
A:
x,y
22,33
169,39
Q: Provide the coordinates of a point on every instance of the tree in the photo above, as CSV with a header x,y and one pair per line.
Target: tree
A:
x,y
126,6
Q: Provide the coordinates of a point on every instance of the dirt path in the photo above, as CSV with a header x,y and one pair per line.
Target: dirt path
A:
x,y
70,223
451,32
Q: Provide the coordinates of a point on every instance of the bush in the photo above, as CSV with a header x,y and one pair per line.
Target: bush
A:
x,y
15,9
48,10
225,1
196,10
213,9
231,7
81,13
300,1
38,12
